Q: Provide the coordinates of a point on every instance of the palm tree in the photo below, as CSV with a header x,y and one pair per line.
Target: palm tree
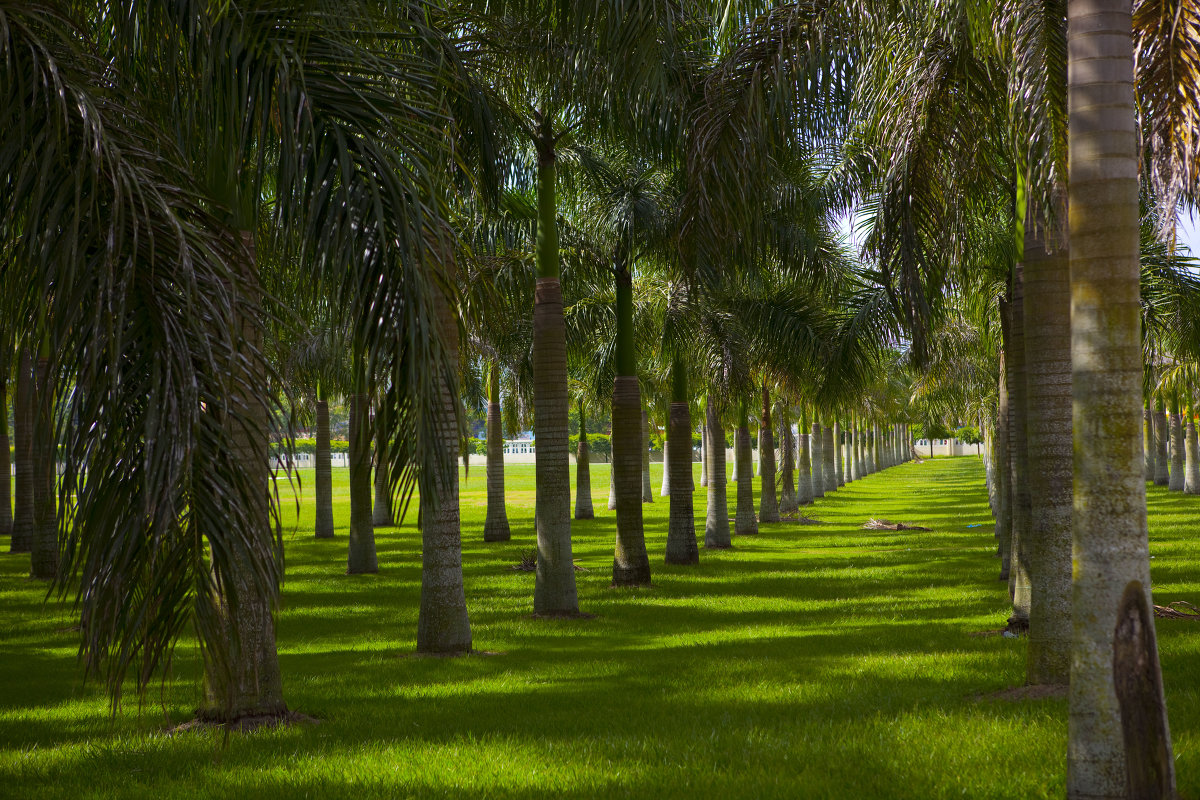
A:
x,y
495,525
361,557
716,523
22,531
1110,543
6,520
769,510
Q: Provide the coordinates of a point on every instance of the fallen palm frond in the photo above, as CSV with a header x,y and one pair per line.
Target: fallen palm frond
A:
x,y
884,525
1172,611
796,516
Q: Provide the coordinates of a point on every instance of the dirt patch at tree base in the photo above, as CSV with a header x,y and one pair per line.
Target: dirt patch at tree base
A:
x,y
1015,694
246,724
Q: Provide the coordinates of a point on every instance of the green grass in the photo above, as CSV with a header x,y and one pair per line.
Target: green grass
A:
x,y
809,661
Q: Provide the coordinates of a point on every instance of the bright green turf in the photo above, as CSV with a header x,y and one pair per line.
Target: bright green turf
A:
x,y
821,661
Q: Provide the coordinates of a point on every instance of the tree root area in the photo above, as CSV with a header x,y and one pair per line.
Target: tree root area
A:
x,y
797,517
245,724
1180,609
1037,691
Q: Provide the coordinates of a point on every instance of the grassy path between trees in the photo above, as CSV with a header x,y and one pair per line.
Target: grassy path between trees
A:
x,y
809,661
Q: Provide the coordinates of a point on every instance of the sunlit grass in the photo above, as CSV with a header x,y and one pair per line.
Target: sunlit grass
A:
x,y
809,661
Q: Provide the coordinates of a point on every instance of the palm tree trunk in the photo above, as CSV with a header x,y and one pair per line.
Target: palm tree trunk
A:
x,y
665,491
381,514
745,523
1003,473
716,522
818,462
1148,442
681,525
612,482
1110,542
44,552
839,455
554,590
787,450
1191,467
828,454
1047,281
22,535
6,520
768,506
631,449
361,556
583,472
1018,576
704,454
804,482
1162,477
443,626
250,684
1176,481
876,460
495,524
324,471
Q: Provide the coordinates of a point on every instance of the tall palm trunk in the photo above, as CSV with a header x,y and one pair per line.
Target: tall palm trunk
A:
x,y
1047,280
804,487
876,455
1148,442
1176,481
22,535
1003,473
716,522
787,451
665,491
839,455
631,565
768,506
817,461
647,488
704,454
44,552
681,525
583,472
251,684
1162,476
381,514
495,524
442,622
745,523
612,483
1110,542
1191,466
361,556
1018,576
554,590
828,454
324,471
6,520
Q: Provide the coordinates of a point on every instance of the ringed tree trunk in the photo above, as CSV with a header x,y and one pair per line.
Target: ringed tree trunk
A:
x,y
251,685
44,552
1047,281
1110,542
1018,576
1148,442
1176,481
647,488
839,455
681,525
1191,484
631,453
704,454
716,522
787,450
817,461
442,623
612,483
361,558
6,520
583,472
828,454
1161,475
876,460
323,480
495,524
22,533
804,487
554,590
1003,471
381,514
745,523
768,506
665,491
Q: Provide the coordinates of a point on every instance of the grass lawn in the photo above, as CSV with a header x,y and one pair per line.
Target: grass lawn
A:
x,y
809,661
